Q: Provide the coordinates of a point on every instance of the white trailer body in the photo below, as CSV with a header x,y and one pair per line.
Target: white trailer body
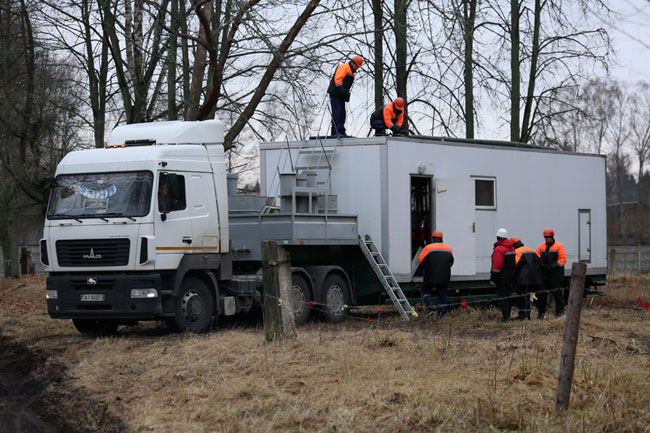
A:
x,y
472,188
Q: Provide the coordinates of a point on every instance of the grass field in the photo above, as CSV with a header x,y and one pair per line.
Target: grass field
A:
x,y
468,372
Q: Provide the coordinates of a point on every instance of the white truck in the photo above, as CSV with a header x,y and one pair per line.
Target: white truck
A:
x,y
152,227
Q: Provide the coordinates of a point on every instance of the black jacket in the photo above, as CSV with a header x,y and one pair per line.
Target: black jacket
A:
x,y
436,259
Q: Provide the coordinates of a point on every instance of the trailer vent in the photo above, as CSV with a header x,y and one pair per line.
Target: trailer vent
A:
x,y
93,252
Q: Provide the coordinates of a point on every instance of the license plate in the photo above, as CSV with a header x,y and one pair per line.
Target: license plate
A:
x,y
92,297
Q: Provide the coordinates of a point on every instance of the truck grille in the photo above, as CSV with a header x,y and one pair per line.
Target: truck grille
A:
x,y
93,252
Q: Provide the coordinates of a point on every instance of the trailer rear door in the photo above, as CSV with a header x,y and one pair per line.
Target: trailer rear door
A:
x,y
454,210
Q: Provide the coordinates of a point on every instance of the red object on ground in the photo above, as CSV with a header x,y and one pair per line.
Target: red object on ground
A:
x,y
464,304
643,304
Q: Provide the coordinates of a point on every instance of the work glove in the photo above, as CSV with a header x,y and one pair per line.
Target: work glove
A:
x,y
555,266
395,129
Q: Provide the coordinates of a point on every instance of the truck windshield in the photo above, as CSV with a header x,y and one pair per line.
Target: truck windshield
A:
x,y
101,195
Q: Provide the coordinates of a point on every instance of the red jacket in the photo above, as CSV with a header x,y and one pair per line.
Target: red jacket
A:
x,y
503,262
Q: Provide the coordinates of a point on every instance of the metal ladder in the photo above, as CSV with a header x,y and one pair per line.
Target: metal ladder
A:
x,y
386,277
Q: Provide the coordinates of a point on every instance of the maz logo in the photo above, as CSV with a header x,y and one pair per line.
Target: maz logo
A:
x,y
92,255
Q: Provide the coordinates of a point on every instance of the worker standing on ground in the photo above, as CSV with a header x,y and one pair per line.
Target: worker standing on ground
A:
x,y
528,276
436,259
389,116
553,256
503,270
339,91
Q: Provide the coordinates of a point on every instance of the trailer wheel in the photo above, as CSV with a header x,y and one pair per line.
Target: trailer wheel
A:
x,y
95,328
194,307
300,298
336,297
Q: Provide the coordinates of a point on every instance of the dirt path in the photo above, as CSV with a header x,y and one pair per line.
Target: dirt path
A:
x,y
27,406
20,395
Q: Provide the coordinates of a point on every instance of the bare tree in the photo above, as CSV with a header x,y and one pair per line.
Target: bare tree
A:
x,y
38,121
640,140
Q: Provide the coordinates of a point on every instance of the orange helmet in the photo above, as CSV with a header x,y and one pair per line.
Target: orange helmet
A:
x,y
549,232
399,102
436,234
515,239
358,60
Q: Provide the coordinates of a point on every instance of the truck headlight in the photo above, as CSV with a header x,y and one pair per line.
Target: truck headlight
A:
x,y
51,294
144,293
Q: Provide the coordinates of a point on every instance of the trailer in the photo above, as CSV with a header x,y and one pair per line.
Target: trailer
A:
x,y
403,188
152,226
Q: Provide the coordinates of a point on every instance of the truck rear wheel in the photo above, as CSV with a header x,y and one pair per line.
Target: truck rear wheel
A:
x,y
300,298
336,297
95,328
194,307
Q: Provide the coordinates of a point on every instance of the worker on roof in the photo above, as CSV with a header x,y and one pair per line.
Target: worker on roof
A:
x,y
389,116
436,259
502,272
339,91
528,276
553,256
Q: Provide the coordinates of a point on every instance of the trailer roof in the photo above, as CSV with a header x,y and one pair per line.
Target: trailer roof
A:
x,y
448,141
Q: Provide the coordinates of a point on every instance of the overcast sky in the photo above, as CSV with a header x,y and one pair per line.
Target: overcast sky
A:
x,y
632,40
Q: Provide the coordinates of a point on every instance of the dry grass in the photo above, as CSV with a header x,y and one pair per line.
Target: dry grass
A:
x,y
465,373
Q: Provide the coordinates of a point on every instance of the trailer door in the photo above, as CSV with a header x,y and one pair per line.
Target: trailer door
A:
x,y
454,210
584,235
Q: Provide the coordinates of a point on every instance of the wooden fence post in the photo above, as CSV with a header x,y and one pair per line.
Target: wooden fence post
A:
x,y
571,328
276,278
612,260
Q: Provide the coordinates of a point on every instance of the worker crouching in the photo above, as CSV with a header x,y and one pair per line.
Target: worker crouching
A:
x,y
436,259
390,116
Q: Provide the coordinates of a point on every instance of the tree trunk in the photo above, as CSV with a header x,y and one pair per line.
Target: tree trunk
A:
x,y
401,73
379,52
9,247
172,56
526,125
515,94
198,69
469,17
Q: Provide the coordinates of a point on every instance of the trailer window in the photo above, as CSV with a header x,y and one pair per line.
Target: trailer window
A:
x,y
485,193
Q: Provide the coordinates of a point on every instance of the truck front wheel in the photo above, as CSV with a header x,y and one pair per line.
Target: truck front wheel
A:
x,y
95,328
194,307
336,297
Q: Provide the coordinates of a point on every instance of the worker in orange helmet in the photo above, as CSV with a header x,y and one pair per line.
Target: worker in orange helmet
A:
x,y
339,91
553,257
389,116
436,259
528,276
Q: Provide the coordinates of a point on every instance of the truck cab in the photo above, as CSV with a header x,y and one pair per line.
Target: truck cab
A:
x,y
139,230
